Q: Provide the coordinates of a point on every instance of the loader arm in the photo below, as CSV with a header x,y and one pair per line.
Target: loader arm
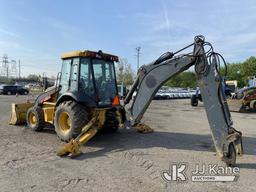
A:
x,y
228,141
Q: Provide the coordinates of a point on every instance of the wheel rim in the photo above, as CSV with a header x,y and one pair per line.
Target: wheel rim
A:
x,y
64,122
32,119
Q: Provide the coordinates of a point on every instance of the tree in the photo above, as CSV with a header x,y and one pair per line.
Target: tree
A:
x,y
33,77
249,66
124,72
185,79
6,80
241,71
235,71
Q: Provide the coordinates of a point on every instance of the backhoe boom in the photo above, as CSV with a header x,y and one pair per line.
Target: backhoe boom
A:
x,y
228,141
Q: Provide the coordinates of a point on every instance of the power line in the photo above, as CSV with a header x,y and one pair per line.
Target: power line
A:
x,y
8,67
5,67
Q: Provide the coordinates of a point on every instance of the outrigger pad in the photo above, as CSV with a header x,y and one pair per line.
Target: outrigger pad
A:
x,y
71,149
143,128
19,112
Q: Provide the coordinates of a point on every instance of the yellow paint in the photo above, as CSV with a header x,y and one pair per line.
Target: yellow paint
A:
x,y
88,131
64,122
88,135
71,148
143,128
85,53
19,112
32,119
48,114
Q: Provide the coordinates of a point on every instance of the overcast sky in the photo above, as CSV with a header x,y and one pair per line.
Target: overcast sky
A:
x,y
38,31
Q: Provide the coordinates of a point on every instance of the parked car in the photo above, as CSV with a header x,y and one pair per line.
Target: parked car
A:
x,y
157,96
13,89
170,95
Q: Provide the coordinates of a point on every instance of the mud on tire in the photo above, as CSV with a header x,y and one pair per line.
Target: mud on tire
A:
x,y
69,119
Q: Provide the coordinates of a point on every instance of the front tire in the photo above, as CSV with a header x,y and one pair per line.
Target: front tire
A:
x,y
253,105
35,118
69,119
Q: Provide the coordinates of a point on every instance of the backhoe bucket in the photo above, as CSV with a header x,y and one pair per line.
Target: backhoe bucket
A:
x,y
19,112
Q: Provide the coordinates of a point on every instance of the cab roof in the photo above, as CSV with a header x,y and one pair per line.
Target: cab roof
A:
x,y
90,54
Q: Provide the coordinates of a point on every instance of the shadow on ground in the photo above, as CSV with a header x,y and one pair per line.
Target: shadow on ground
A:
x,y
247,165
130,139
125,140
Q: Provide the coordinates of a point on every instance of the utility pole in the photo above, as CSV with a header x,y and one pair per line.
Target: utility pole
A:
x,y
138,57
6,64
9,67
19,69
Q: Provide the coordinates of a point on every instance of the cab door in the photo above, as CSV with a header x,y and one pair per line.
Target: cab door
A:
x,y
65,75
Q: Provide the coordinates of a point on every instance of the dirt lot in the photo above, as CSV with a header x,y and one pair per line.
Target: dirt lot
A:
x,y
126,160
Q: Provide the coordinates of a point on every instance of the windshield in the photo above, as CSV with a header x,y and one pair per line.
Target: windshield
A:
x,y
105,80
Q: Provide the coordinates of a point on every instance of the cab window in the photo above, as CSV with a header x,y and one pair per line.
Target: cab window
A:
x,y
85,81
105,80
64,81
74,74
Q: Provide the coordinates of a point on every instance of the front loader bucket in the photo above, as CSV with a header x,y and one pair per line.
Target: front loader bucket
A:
x,y
19,112
235,105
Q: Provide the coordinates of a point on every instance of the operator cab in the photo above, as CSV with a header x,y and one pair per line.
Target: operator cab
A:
x,y
89,77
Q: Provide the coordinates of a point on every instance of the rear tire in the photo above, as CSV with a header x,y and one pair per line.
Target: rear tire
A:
x,y
35,118
194,101
69,119
242,109
111,124
253,105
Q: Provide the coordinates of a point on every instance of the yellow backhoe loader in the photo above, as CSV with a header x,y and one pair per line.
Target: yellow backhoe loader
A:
x,y
244,100
85,99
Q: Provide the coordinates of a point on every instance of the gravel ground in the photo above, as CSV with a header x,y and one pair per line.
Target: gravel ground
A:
x,y
126,160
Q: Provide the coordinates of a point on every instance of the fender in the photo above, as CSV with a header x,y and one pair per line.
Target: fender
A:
x,y
76,96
